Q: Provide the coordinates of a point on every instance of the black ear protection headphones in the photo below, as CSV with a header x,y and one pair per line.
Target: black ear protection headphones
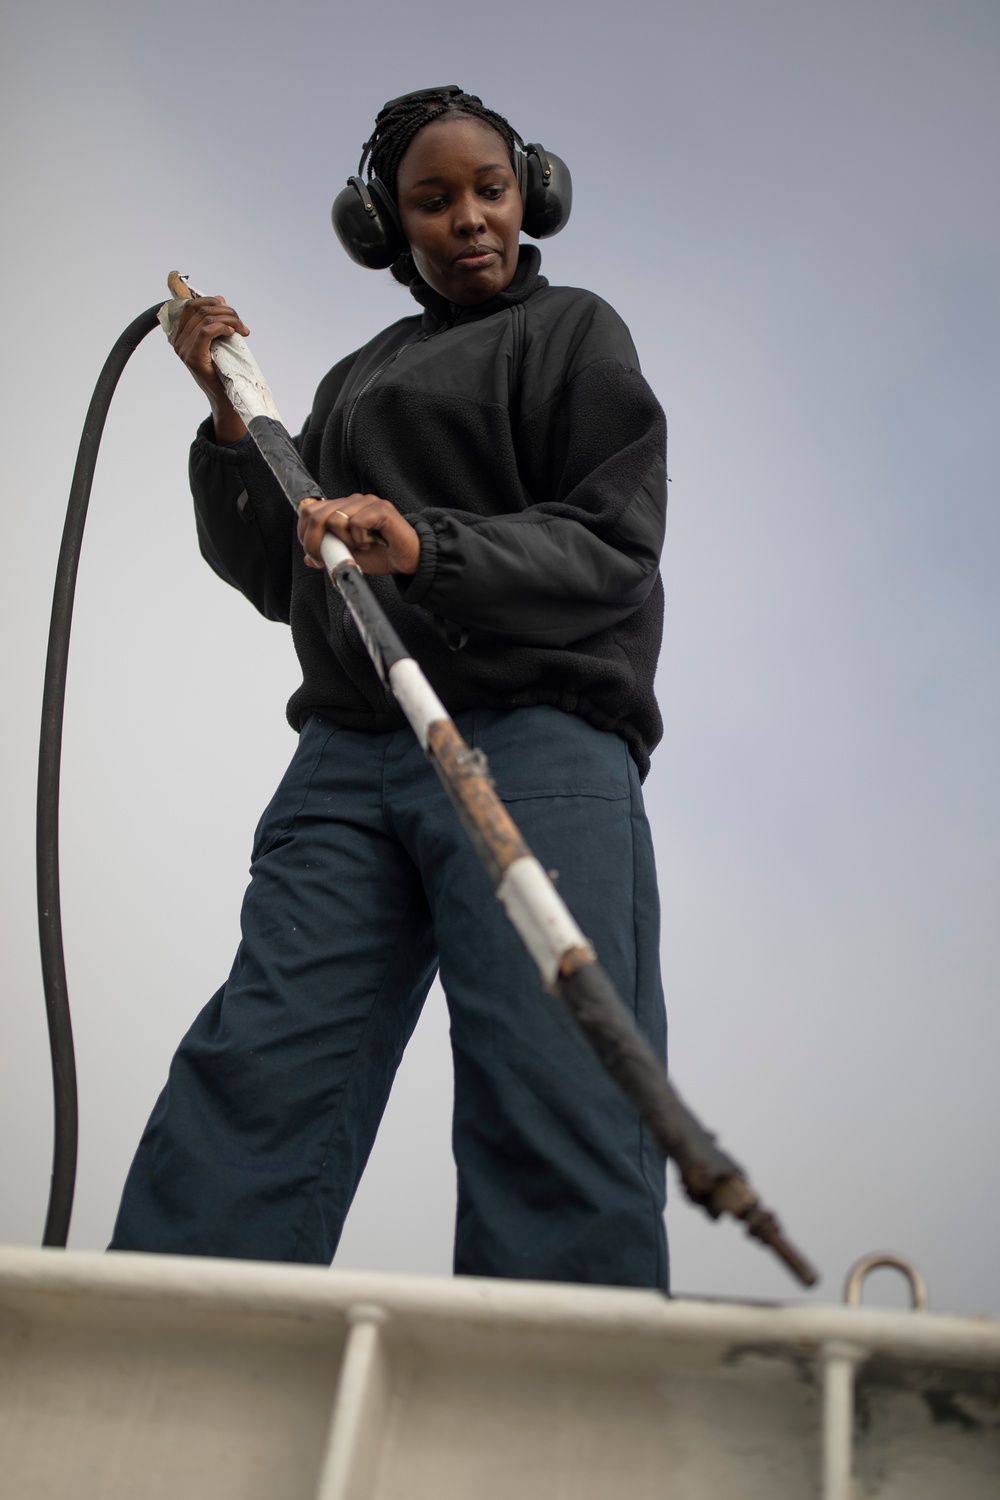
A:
x,y
366,219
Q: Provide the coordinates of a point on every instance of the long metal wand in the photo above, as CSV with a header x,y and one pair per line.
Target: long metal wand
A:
x,y
566,960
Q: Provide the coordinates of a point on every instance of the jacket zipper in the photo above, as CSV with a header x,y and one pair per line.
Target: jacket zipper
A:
x,y
371,381
423,339
514,387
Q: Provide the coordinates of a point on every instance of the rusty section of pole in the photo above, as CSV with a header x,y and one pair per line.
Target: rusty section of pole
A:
x,y
466,778
734,1195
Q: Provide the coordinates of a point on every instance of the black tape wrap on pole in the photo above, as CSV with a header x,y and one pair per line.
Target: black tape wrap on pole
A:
x,y
381,641
282,457
64,1146
711,1178
595,1006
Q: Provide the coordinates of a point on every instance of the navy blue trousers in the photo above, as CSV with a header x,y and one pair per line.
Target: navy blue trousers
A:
x,y
362,883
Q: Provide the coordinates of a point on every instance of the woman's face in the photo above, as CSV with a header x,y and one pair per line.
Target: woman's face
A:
x,y
460,209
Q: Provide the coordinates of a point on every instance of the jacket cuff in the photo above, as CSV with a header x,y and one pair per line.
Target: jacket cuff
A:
x,y
242,460
414,586
205,439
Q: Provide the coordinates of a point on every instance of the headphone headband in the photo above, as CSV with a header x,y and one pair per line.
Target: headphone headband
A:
x,y
446,91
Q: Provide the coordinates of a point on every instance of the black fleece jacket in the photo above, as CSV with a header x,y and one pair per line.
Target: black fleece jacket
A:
x,y
522,442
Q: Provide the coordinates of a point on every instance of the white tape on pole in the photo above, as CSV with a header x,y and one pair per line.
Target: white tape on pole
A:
x,y
539,914
333,551
245,385
241,374
415,696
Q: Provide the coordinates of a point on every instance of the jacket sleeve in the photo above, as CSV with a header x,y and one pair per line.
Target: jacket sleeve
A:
x,y
246,526
584,553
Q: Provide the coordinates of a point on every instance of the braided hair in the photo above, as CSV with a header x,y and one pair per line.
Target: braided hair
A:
x,y
398,122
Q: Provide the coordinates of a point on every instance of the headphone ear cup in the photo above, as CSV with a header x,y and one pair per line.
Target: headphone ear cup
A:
x,y
546,191
366,223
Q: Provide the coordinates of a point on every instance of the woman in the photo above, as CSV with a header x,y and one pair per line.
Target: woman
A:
x,y
499,468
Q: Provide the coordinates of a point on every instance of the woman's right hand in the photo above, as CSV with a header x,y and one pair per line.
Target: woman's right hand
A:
x,y
205,319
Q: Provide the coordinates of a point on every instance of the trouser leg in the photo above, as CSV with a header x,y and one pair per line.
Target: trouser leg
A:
x,y
257,1143
558,1179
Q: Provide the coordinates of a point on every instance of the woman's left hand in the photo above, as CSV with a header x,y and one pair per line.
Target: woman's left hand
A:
x,y
382,540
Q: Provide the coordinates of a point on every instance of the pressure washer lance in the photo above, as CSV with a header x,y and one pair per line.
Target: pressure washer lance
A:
x,y
566,961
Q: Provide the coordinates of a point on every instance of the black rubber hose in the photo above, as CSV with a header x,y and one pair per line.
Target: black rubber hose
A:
x,y
49,755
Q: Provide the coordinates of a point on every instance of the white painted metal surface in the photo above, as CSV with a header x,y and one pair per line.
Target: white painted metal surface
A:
x,y
142,1378
840,1361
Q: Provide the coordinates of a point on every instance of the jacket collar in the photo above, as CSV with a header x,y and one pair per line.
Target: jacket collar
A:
x,y
439,312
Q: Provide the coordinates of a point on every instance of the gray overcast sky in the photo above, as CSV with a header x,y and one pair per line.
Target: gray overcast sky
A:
x,y
794,207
